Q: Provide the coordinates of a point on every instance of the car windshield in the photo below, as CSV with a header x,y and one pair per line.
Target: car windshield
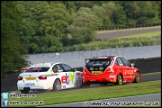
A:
x,y
94,62
37,69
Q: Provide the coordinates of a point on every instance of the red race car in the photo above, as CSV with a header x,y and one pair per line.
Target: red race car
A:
x,y
110,69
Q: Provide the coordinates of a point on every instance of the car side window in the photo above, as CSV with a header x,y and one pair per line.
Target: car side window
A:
x,y
119,61
67,68
126,62
57,67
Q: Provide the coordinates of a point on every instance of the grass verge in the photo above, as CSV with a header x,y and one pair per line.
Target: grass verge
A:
x,y
151,73
150,34
144,39
107,92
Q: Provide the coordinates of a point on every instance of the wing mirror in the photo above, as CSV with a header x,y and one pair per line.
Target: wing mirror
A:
x,y
132,64
60,70
75,70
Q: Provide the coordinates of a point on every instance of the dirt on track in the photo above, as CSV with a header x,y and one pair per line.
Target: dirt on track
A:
x,y
117,33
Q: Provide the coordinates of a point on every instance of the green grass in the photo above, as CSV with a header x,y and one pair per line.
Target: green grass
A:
x,y
150,34
144,39
151,73
130,89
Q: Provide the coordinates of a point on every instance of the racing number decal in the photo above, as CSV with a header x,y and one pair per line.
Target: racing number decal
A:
x,y
128,72
69,77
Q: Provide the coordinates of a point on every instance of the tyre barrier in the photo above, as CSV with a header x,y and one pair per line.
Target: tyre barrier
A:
x,y
127,26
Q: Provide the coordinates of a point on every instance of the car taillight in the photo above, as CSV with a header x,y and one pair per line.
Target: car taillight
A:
x,y
42,77
20,78
101,68
91,68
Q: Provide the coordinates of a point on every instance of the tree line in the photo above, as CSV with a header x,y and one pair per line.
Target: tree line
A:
x,y
47,26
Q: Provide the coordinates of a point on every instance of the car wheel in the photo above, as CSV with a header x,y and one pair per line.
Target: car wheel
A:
x,y
137,78
86,84
119,80
79,84
25,91
103,83
57,85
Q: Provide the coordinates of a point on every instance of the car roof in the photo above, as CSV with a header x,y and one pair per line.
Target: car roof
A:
x,y
46,64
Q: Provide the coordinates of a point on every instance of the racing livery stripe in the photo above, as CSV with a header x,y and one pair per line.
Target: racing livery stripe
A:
x,y
51,75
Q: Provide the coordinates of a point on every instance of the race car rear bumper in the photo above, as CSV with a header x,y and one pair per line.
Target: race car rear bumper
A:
x,y
100,78
32,86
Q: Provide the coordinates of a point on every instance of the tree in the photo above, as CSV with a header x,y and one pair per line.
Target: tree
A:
x,y
84,25
119,16
100,12
110,10
132,11
41,19
149,13
11,49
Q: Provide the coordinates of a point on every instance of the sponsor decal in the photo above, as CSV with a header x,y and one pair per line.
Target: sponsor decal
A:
x,y
51,70
69,77
55,74
63,79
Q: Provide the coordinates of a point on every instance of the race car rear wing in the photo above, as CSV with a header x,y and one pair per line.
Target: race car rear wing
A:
x,y
100,57
87,60
29,68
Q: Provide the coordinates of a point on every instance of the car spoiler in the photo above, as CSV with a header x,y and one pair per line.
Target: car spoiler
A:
x,y
95,58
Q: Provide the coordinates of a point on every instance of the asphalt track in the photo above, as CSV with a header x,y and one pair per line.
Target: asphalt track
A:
x,y
151,77
149,100
145,78
117,33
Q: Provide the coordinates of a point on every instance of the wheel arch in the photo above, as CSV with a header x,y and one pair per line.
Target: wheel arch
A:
x,y
120,73
55,82
57,79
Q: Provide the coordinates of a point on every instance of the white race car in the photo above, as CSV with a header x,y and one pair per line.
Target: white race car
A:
x,y
49,76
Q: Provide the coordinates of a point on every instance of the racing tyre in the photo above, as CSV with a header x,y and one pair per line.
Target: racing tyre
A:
x,y
79,84
103,83
57,85
137,78
86,85
25,91
119,80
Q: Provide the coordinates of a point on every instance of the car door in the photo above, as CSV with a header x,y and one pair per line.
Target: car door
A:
x,y
58,69
129,70
69,77
121,68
